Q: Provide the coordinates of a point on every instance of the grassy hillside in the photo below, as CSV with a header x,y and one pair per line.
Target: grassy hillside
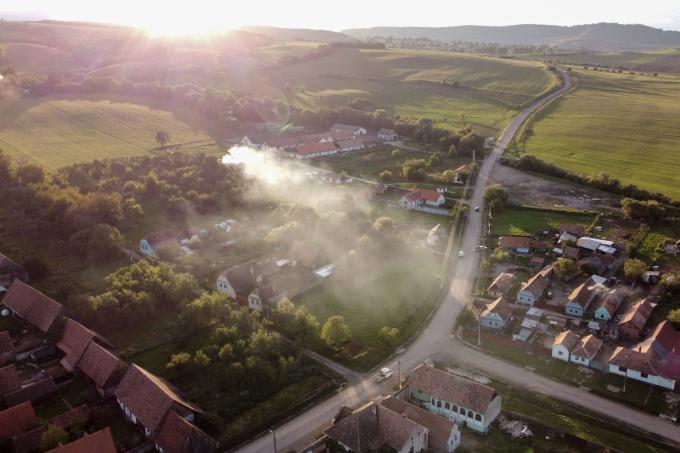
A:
x,y
410,83
661,60
55,133
622,124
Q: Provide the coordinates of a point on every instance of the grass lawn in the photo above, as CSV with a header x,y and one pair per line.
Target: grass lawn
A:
x,y
516,220
663,60
564,417
55,133
622,124
400,294
650,249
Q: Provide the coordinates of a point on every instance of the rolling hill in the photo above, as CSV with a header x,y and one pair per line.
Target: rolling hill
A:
x,y
598,37
299,34
622,124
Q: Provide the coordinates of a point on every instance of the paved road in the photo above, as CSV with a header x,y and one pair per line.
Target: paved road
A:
x,y
436,338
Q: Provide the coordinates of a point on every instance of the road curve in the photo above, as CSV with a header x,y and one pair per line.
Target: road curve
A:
x,y
436,338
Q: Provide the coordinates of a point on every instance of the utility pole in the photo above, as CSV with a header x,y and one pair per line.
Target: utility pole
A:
x,y
399,372
274,434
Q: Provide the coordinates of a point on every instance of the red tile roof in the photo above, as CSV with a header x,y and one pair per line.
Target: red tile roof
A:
x,y
32,392
99,442
9,379
576,230
6,343
176,435
499,306
536,285
583,294
635,360
30,440
101,366
503,282
315,148
439,427
670,367
32,305
636,316
663,339
149,398
588,347
351,143
515,242
448,387
610,301
73,343
372,427
568,339
16,420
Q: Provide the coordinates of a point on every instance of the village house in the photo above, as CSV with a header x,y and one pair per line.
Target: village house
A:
x,y
281,286
16,420
522,245
9,270
671,247
586,350
102,368
608,305
581,297
422,197
372,427
35,392
501,285
497,315
285,143
352,144
387,135
176,435
460,173
563,345
100,442
651,277
146,399
654,360
155,242
443,435
456,398
30,441
74,341
315,150
534,288
634,319
239,281
570,233
355,130
595,245
32,306
572,253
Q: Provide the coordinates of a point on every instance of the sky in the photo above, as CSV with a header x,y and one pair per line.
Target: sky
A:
x,y
203,16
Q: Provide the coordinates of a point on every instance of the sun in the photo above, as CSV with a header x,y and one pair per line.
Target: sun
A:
x,y
179,24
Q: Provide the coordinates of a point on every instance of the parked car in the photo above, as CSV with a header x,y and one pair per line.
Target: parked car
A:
x,y
383,374
461,253
482,247
476,208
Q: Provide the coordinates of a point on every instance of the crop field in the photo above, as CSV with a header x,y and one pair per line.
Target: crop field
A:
x,y
621,124
529,221
55,133
662,60
411,83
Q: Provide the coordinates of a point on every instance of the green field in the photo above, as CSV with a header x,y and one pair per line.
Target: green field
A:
x,y
662,60
411,83
529,221
617,123
55,133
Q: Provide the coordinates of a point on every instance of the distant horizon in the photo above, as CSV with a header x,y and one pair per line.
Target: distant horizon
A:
x,y
205,17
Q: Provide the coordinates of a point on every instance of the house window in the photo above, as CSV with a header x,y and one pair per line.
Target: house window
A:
x,y
432,401
623,369
560,353
478,418
462,411
644,375
454,408
469,414
439,404
447,406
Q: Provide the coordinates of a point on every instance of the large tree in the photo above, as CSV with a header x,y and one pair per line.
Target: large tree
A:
x,y
633,269
566,268
335,331
162,138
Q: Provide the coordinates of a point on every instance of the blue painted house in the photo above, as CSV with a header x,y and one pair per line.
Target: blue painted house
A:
x,y
534,288
497,315
580,298
608,305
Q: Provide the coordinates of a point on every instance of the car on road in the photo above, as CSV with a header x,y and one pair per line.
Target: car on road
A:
x,y
482,247
461,253
476,208
383,374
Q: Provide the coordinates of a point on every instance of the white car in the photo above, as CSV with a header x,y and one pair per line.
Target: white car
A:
x,y
461,253
383,374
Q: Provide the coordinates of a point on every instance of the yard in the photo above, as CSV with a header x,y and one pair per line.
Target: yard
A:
x,y
528,221
650,249
399,294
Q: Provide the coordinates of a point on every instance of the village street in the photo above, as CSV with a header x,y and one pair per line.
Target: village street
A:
x,y
437,340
